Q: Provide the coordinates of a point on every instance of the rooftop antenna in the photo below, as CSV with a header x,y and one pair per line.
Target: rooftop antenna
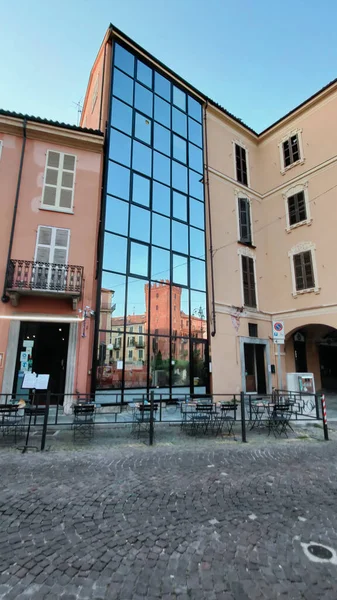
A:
x,y
79,107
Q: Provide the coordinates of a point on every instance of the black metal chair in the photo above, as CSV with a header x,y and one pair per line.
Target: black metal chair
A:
x,y
224,418
279,419
142,418
201,418
12,419
84,420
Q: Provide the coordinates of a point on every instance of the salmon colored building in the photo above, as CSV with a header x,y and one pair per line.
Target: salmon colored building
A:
x,y
50,185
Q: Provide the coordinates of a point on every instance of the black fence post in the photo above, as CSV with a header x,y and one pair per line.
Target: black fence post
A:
x,y
325,420
243,418
151,429
317,407
45,422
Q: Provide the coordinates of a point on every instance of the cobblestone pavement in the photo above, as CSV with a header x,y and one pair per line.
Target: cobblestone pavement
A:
x,y
216,521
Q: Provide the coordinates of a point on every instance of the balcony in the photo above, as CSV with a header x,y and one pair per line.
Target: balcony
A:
x,y
28,278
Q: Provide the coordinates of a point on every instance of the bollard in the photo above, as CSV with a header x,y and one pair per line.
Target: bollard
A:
x,y
325,420
151,429
243,418
45,422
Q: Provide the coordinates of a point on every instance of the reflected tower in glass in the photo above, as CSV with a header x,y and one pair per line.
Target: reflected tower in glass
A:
x,y
153,298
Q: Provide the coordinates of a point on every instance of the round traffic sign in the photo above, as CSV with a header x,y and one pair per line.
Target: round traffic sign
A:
x,y
278,326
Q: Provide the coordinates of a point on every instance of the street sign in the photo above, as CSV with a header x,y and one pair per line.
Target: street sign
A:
x,y
278,332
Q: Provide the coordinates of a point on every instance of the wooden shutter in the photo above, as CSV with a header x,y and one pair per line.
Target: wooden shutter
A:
x,y
59,180
60,250
244,221
297,209
248,280
43,245
304,272
241,164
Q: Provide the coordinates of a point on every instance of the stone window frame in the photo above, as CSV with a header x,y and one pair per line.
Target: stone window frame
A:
x,y
286,137
296,189
298,249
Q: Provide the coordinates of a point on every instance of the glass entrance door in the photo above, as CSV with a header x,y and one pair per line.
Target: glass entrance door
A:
x,y
199,367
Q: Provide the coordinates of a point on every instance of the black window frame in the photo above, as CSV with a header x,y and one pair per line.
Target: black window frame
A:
x,y
297,209
253,330
248,281
304,271
291,150
241,164
245,227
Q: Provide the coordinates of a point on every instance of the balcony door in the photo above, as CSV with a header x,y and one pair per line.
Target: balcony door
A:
x,y
51,256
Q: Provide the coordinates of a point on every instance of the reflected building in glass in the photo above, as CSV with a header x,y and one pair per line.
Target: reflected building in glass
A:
x,y
152,328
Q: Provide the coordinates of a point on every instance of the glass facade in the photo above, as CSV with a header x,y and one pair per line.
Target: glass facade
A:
x,y
153,312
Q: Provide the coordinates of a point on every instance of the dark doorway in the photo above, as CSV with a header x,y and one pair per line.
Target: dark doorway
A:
x,y
300,351
328,365
45,345
255,370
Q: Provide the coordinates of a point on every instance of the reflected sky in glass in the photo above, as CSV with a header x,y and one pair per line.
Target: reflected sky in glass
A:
x,y
136,297
194,109
179,98
197,274
179,274
179,176
120,147
143,99
196,186
124,60
194,132
160,231
197,213
162,139
142,158
140,223
141,190
114,255
179,206
179,149
179,122
139,259
195,158
144,74
161,168
118,181
160,267
117,212
199,305
161,198
162,111
162,86
179,237
143,127
123,87
197,243
121,116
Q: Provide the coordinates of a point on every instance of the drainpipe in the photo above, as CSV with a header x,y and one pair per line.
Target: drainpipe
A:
x,y
213,332
5,297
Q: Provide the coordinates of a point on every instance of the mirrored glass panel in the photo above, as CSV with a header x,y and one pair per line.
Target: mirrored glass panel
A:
x,y
197,274
143,100
123,87
197,243
194,109
144,74
179,274
162,139
143,127
114,255
179,176
120,147
139,259
136,363
118,181
179,311
112,309
162,111
160,231
124,60
159,362
160,266
179,98
194,132
142,158
141,190
121,117
162,87
179,206
137,304
180,364
179,237
195,158
196,186
161,168
161,198
198,314
109,366
197,213
140,223
179,122
179,148
160,308
116,217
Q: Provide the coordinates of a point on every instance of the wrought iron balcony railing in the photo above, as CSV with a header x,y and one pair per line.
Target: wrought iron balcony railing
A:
x,y
29,277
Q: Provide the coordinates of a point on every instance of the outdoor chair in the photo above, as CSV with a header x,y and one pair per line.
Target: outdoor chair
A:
x,y
142,418
225,418
201,418
84,420
279,419
12,418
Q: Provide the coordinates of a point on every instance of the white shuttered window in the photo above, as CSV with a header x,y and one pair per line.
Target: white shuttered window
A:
x,y
59,181
52,245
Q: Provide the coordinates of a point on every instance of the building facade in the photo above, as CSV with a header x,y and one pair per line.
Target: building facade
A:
x,y
50,181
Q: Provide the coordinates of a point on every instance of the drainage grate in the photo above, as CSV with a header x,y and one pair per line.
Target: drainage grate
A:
x,y
320,551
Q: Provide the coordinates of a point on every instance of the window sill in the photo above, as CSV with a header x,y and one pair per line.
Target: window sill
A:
x,y
315,290
251,308
248,244
285,170
296,225
56,209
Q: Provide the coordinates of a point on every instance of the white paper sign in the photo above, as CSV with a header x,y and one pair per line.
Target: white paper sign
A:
x,y
42,382
29,381
119,365
28,343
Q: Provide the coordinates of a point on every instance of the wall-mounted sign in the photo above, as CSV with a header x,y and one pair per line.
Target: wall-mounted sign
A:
x,y
278,332
28,343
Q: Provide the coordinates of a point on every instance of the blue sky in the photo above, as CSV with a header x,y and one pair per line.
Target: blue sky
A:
x,y
258,58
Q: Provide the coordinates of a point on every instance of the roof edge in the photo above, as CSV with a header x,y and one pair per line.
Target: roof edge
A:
x,y
42,121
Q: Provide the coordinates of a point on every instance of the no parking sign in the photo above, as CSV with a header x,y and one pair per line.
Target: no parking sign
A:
x,y
278,332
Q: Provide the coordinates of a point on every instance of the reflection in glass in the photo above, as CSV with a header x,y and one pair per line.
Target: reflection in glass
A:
x,y
160,308
199,368
117,212
179,148
179,98
109,372
198,314
139,259
143,99
179,237
120,147
194,108
144,74
197,274
123,87
118,181
143,127
159,361
197,243
162,111
180,362
137,302
141,190
179,311
121,116
179,274
196,185
114,255
124,60
160,266
136,362
195,158
160,231
194,132
179,206
161,198
161,168
112,308
141,158
197,213
162,86
162,139
179,122
179,176
140,223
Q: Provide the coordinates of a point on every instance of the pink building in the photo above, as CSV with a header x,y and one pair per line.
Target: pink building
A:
x,y
50,178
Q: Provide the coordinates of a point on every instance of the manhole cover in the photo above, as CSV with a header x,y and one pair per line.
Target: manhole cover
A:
x,y
320,551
